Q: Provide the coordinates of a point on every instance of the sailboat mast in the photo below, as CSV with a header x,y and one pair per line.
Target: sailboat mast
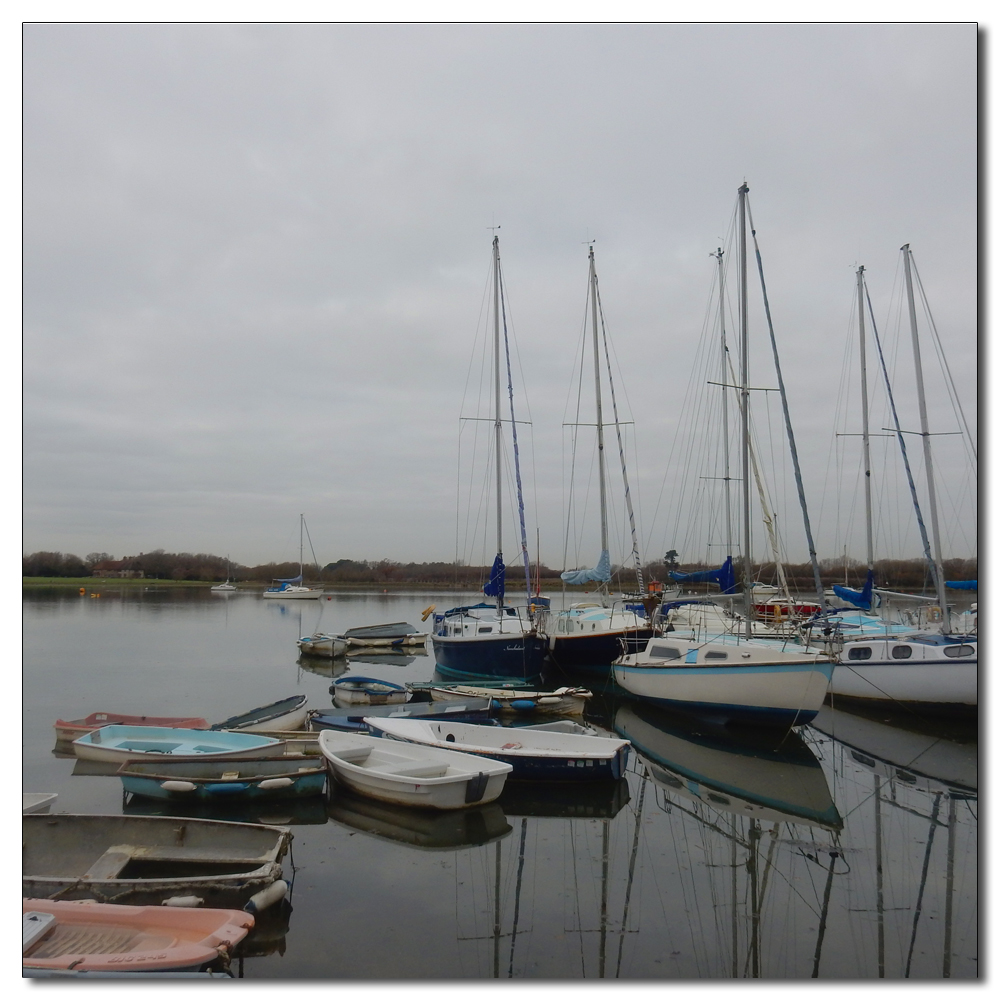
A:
x,y
745,406
498,426
865,439
938,566
725,405
302,519
600,419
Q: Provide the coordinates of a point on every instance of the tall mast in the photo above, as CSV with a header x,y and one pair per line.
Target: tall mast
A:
x,y
865,441
302,519
597,391
498,426
937,564
725,404
745,406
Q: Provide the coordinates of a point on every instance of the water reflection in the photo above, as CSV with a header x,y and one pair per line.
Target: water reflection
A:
x,y
307,810
767,776
428,830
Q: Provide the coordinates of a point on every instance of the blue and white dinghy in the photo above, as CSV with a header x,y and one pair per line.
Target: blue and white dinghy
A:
x,y
356,690
411,775
215,781
532,753
123,743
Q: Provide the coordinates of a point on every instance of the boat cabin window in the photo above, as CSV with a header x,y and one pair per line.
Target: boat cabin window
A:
x,y
714,654
860,653
901,652
958,651
665,652
485,628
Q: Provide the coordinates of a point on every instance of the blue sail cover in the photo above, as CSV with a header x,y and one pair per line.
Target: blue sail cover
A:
x,y
724,576
294,579
494,587
962,584
601,573
859,598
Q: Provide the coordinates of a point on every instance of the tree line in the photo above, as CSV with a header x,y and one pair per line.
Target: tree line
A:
x,y
908,574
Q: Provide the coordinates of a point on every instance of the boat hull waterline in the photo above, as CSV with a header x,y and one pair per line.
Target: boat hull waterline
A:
x,y
777,694
224,782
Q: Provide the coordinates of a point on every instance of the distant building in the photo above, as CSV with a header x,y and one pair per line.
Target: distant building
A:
x,y
117,569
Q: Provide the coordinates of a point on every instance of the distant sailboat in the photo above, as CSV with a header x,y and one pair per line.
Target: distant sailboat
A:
x,y
227,587
293,588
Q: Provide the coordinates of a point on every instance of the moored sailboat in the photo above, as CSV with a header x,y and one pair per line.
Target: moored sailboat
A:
x,y
293,588
483,640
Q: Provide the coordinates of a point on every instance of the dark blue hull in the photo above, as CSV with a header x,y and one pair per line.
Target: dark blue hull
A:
x,y
352,720
505,657
597,652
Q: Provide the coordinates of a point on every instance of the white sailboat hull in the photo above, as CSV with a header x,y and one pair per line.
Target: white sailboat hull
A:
x,y
294,594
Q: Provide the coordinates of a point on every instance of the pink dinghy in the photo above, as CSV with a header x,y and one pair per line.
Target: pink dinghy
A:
x,y
69,731
88,936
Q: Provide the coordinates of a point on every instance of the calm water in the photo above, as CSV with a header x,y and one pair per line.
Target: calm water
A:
x,y
847,851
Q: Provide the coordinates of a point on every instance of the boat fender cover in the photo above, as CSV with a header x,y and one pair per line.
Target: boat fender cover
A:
x,y
522,705
275,783
178,786
227,787
274,893
476,787
189,901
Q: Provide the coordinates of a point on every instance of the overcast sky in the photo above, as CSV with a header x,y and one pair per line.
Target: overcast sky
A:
x,y
255,258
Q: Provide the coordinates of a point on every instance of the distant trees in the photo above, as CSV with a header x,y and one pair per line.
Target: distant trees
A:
x,y
907,574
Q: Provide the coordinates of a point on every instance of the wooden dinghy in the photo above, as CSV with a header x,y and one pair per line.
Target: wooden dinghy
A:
x,y
352,720
148,859
410,775
561,701
214,781
532,753
69,731
287,714
367,691
88,936
122,743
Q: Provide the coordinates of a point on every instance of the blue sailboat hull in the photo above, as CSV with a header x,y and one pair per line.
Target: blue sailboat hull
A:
x,y
596,653
499,658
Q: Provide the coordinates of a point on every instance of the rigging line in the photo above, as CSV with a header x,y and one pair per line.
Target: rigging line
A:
x,y
788,421
902,445
517,461
631,873
621,447
574,437
923,882
956,399
305,524
517,895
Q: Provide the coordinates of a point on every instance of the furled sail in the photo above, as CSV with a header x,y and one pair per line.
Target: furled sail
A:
x,y
293,579
859,598
601,573
494,586
724,576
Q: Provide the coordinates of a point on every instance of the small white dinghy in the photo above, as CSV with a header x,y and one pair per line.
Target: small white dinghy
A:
x,y
410,775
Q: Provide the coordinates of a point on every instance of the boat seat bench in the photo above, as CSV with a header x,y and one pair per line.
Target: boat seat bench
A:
x,y
115,858
418,770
